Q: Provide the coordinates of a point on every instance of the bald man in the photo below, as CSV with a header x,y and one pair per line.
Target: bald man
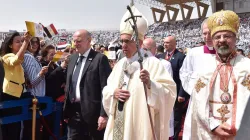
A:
x,y
87,74
150,45
176,59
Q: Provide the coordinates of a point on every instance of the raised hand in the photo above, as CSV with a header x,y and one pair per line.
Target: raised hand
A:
x,y
27,37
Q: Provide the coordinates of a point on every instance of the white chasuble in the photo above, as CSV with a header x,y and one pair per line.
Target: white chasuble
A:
x,y
161,98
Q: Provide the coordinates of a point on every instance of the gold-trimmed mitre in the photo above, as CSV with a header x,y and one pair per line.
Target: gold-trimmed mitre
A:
x,y
141,22
223,21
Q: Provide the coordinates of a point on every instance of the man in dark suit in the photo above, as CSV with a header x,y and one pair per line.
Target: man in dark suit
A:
x,y
176,59
87,74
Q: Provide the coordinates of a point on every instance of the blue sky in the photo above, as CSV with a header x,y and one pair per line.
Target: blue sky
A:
x,y
66,14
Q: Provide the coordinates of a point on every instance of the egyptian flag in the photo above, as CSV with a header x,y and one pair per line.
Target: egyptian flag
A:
x,y
50,30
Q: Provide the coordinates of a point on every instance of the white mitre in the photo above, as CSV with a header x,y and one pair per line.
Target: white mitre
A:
x,y
141,22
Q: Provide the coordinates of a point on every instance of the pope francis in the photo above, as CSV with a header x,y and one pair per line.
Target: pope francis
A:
x,y
124,98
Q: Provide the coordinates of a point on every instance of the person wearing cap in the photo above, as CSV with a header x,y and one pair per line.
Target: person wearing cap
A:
x,y
192,65
222,91
111,54
124,98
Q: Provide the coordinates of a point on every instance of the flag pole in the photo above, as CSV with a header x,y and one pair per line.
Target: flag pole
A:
x,y
49,63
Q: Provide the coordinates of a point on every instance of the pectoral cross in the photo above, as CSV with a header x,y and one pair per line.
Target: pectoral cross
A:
x,y
223,111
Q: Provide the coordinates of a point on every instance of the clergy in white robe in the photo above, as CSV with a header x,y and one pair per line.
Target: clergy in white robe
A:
x,y
130,121
167,65
193,66
150,45
222,90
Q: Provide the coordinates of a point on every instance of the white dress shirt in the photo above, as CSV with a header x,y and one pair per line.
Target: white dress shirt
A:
x,y
78,97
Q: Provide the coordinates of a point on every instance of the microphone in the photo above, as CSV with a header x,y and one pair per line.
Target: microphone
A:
x,y
120,103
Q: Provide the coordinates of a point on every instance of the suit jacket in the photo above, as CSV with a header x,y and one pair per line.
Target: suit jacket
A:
x,y
176,62
94,78
54,87
14,75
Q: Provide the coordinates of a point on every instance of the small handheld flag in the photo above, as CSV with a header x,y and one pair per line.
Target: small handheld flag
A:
x,y
59,56
50,30
35,29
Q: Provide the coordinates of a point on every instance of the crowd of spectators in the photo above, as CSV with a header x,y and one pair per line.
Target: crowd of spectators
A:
x,y
32,67
187,33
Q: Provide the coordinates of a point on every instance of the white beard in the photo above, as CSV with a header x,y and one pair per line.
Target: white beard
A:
x,y
223,50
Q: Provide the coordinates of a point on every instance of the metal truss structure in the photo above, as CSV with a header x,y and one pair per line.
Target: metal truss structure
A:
x,y
163,7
